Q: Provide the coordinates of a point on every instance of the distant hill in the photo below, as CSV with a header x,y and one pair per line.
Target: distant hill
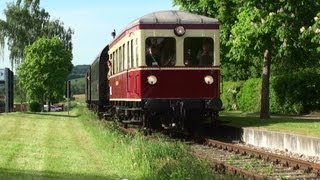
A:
x,y
78,86
78,71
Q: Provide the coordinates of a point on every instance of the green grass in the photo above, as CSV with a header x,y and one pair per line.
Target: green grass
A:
x,y
58,146
294,125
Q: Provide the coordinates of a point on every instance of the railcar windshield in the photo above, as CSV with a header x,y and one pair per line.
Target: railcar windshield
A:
x,y
198,51
160,51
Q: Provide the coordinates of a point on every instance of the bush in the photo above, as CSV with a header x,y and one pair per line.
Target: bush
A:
x,y
35,107
249,96
229,94
296,93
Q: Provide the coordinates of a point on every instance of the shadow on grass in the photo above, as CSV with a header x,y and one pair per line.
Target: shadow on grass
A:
x,y
53,114
26,175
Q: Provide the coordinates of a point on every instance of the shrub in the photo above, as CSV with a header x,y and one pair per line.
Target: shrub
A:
x,y
297,93
35,106
229,94
249,96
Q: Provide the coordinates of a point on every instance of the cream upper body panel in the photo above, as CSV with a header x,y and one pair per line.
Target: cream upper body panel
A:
x,y
128,49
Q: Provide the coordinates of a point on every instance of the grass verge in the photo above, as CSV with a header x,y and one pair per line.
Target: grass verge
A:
x,y
58,146
293,125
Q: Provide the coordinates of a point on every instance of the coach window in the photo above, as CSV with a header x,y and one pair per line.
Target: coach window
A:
x,y
117,61
120,59
198,51
137,53
128,55
160,51
109,64
123,57
114,62
131,53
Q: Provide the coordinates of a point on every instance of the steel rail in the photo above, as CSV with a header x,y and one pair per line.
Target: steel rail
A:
x,y
222,167
287,161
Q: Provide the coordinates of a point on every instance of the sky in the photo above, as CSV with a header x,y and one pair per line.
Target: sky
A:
x,y
92,21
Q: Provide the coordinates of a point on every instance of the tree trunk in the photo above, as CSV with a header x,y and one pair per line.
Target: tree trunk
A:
x,y
264,112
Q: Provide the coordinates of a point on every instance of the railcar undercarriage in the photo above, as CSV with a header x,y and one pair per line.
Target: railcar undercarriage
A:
x,y
165,114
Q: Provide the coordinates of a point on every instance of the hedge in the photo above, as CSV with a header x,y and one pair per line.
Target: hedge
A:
x,y
229,93
296,93
249,96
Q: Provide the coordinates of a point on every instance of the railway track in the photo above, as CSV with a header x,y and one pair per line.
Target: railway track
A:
x,y
252,163
246,162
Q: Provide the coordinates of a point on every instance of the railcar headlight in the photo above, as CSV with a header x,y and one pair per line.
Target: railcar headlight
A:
x,y
152,79
208,79
179,31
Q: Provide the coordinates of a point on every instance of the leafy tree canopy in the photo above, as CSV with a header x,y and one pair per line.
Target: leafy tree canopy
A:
x,y
25,23
274,26
311,37
46,67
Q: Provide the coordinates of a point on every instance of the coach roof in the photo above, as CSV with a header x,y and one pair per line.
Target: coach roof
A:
x,y
172,17
169,19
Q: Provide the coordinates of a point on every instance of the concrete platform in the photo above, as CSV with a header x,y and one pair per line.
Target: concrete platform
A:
x,y
288,142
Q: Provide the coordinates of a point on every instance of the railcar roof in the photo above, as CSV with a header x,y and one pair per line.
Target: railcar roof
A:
x,y
169,17
172,17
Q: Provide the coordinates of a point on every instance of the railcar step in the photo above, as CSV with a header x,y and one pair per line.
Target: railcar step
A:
x,y
131,121
107,114
132,109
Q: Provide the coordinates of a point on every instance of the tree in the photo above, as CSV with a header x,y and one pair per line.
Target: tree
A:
x,y
273,30
25,23
46,67
311,38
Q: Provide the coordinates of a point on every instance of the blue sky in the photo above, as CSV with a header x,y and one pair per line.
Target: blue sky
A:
x,y
93,21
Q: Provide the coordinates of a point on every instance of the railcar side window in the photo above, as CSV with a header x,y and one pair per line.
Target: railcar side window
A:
x,y
113,63
198,51
128,55
117,61
123,57
109,65
120,59
131,53
160,51
137,53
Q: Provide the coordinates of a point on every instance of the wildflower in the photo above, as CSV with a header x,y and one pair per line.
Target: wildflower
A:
x,y
271,13
279,10
302,29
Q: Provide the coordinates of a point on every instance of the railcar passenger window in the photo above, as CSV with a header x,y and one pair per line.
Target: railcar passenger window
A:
x,y
137,53
109,64
198,51
160,51
120,59
131,53
113,63
123,57
128,55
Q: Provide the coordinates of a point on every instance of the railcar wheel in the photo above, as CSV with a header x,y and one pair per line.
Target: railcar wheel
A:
x,y
145,116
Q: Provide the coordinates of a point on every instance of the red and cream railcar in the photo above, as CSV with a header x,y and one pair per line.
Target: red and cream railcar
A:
x,y
165,70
